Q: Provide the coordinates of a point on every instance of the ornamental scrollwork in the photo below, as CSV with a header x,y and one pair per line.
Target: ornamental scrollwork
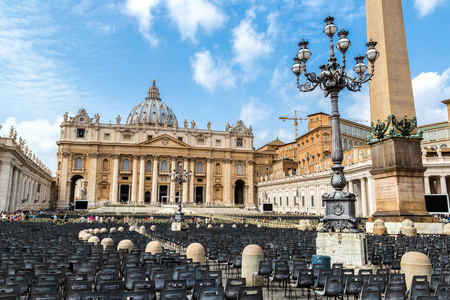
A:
x,y
404,129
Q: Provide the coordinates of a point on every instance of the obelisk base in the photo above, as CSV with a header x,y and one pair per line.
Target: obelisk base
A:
x,y
346,248
398,174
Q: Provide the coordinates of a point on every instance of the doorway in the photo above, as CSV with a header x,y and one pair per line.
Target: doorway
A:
x,y
124,193
163,193
239,192
147,197
199,195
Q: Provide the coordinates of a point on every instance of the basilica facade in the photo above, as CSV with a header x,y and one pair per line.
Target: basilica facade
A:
x,y
131,162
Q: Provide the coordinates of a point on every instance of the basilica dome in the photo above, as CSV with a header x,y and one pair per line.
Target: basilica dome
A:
x,y
152,111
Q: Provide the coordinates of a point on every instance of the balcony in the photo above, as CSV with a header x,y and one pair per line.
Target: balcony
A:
x,y
125,172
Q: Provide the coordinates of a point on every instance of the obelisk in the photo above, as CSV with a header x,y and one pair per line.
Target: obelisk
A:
x,y
396,154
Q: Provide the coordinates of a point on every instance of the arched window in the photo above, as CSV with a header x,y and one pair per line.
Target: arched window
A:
x,y
105,165
78,163
126,165
199,167
345,144
444,146
179,165
239,169
350,144
164,165
149,166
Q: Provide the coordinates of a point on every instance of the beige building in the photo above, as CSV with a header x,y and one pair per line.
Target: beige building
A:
x,y
25,182
131,162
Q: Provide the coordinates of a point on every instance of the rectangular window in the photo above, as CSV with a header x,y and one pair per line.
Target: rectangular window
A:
x,y
149,137
80,133
218,142
295,201
107,136
239,142
180,138
274,201
281,201
124,178
312,200
148,178
442,134
200,141
127,137
287,201
38,188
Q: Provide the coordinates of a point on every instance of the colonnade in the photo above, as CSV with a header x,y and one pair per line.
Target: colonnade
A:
x,y
20,188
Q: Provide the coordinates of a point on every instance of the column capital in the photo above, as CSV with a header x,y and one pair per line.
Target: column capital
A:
x,y
209,159
251,162
135,156
115,156
156,157
227,160
142,156
66,154
94,155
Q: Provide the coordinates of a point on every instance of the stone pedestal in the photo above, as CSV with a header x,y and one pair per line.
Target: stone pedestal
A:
x,y
177,226
415,263
422,228
346,248
251,257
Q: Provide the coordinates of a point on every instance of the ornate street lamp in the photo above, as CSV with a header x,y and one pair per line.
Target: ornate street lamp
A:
x,y
180,177
339,205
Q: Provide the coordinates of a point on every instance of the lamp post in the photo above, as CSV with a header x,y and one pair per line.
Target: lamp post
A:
x,y
180,177
339,205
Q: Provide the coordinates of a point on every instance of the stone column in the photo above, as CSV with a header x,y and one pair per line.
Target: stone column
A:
x,y
371,193
185,184
92,188
363,197
63,200
20,189
192,181
208,180
134,179
115,180
173,186
443,184
396,161
227,181
426,182
155,179
142,167
251,192
13,190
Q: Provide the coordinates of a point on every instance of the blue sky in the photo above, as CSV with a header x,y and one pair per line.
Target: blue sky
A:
x,y
217,61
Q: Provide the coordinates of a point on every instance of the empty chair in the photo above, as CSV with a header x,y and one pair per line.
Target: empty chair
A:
x,y
105,278
305,280
46,296
250,293
75,288
171,284
365,274
320,283
427,298
395,292
189,277
173,294
333,287
115,288
43,288
280,275
146,286
419,288
353,285
94,296
130,277
435,280
211,293
142,295
371,291
10,290
20,280
160,277
265,269
216,275
443,291
201,283
380,279
232,287
398,279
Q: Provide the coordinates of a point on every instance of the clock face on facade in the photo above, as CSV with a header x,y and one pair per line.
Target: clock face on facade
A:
x,y
240,129
81,119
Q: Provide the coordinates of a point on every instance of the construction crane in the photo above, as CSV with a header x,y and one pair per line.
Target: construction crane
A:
x,y
295,121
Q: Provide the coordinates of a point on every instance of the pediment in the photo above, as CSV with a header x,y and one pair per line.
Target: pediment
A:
x,y
165,141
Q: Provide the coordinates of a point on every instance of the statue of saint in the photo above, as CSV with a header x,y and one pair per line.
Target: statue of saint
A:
x,y
66,117
118,119
97,118
192,124
83,191
185,124
209,125
227,127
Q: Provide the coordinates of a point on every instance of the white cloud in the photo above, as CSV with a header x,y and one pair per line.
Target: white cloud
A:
x,y
430,89
142,11
254,111
426,7
189,15
359,111
34,74
248,43
211,72
286,136
40,136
